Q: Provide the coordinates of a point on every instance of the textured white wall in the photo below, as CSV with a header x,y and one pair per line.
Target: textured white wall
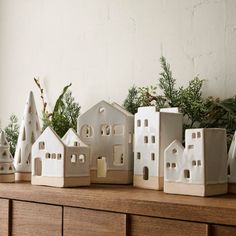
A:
x,y
105,46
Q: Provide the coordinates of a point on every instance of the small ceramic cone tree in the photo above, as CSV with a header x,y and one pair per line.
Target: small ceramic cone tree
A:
x,y
29,132
7,169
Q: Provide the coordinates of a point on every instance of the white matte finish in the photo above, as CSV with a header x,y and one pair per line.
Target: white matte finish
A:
x,y
232,161
29,132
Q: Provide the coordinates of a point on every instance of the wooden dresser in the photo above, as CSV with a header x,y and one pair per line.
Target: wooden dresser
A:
x,y
111,210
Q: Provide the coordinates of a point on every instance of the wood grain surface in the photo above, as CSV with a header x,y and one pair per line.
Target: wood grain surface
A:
x,y
4,219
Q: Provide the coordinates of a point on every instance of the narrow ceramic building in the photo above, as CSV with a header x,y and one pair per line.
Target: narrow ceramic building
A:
x,y
108,129
154,131
59,164
29,132
7,169
232,166
200,168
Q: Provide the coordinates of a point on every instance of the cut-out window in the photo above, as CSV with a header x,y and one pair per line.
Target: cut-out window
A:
x,y
81,158
19,157
76,144
10,168
105,130
198,134
101,109
193,135
174,151
32,138
199,163
146,122
145,173
153,156
86,131
130,138
54,155
145,139
153,138
118,155
138,155
173,165
1,168
190,146
138,123
186,174
41,145
101,167
30,110
24,135
4,153
37,126
194,163
59,156
228,169
168,164
118,129
47,155
73,158
28,159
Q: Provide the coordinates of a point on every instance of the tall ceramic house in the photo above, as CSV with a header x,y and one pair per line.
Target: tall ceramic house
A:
x,y
29,132
7,169
154,131
108,129
232,166
200,168
60,162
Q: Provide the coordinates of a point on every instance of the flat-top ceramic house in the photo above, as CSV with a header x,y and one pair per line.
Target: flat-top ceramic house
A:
x,y
7,169
200,168
154,131
108,129
29,132
232,166
56,164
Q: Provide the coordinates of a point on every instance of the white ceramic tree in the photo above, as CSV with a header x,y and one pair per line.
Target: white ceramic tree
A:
x,y
232,166
7,169
29,132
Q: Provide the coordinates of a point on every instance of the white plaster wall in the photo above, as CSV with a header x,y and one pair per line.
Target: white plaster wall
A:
x,y
105,46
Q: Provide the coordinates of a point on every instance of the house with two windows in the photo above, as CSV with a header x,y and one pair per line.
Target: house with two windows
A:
x,y
200,168
154,131
108,131
60,162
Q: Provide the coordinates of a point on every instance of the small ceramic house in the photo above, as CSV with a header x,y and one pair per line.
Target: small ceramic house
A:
x,y
7,169
154,131
59,164
29,132
232,166
107,129
200,168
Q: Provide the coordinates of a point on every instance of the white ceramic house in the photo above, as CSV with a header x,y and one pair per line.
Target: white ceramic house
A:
x,y
200,168
108,129
7,170
29,132
232,166
60,162
154,131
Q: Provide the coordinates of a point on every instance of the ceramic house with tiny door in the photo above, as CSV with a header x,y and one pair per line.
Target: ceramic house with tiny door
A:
x,y
200,168
154,131
29,132
7,170
107,129
232,166
60,162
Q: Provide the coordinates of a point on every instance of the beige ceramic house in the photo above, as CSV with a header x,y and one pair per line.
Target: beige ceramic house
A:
x,y
154,131
232,166
200,168
60,162
108,129
29,132
7,169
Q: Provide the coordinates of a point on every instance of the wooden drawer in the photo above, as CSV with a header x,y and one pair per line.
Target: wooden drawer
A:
x,y
79,221
4,217
36,219
219,230
141,225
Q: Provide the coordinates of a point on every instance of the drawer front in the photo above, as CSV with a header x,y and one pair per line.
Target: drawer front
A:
x,y
141,225
4,217
219,230
79,221
36,219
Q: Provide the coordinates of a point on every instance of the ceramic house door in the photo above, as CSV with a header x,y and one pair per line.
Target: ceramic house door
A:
x,y
38,166
101,167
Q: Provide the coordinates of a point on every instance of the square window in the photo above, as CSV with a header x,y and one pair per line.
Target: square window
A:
x,y
173,165
138,123
138,155
193,135
153,156
146,122
59,156
153,139
168,164
198,135
145,139
41,145
199,163
190,146
194,163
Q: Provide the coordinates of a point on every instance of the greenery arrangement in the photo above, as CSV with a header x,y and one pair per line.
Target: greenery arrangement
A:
x,y
64,114
198,111
12,133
